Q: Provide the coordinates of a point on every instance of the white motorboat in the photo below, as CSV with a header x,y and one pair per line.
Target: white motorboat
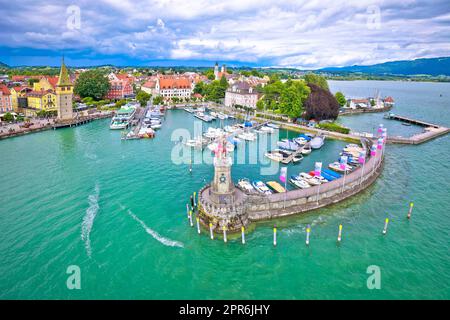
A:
x,y
336,166
310,179
245,185
317,142
299,183
261,187
273,126
274,156
248,136
306,149
213,132
267,129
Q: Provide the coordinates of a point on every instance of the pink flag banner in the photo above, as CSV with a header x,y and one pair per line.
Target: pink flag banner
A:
x,y
362,157
343,162
373,151
380,144
283,174
380,129
317,169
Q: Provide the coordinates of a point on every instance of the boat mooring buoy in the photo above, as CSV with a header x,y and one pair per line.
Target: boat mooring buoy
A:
x,y
340,233
198,224
308,230
385,225
411,205
190,218
224,234
275,235
211,234
243,234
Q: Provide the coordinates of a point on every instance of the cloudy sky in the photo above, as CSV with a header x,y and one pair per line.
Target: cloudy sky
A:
x,y
294,33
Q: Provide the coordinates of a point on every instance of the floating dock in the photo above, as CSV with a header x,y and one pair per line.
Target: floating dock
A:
x,y
79,121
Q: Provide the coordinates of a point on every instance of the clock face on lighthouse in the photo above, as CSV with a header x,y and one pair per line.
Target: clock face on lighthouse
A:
x,y
222,178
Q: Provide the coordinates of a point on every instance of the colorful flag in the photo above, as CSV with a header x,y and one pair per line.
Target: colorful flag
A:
x,y
380,144
318,169
343,162
283,174
380,128
362,157
373,151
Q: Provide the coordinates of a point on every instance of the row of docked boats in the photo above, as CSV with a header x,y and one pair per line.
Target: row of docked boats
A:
x,y
260,187
122,118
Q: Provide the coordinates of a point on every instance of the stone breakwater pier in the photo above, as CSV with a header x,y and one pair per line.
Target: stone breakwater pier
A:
x,y
235,209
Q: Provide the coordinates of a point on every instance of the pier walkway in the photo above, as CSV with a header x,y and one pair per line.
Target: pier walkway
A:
x,y
431,131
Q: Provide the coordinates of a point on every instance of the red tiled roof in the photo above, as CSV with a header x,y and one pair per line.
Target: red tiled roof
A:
x,y
4,90
174,83
389,99
53,80
149,84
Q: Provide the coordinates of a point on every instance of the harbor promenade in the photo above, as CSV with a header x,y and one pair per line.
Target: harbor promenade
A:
x,y
37,125
255,207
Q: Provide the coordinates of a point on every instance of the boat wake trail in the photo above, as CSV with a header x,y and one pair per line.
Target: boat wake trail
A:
x,y
154,234
88,219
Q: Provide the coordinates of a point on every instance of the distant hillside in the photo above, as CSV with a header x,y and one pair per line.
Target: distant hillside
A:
x,y
3,65
431,66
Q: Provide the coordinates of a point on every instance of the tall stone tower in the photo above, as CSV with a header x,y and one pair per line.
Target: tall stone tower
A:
x,y
64,94
222,187
216,71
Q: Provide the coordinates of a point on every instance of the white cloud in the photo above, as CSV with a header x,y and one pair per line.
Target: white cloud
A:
x,y
286,33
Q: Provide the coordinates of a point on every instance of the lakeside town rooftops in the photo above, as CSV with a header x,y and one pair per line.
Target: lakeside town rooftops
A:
x,y
4,90
174,82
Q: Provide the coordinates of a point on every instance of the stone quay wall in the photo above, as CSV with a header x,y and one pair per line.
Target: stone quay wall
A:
x,y
249,208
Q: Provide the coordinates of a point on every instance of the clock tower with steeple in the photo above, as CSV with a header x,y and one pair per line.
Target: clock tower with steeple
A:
x,y
64,94
222,187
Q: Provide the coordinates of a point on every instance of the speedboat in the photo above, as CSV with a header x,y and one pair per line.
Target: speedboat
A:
x,y
317,142
310,179
274,156
300,141
299,182
245,185
321,178
336,166
297,159
273,126
261,187
275,186
287,144
267,129
306,149
213,132
248,136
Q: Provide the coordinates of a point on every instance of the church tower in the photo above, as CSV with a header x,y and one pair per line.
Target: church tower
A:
x,y
216,71
64,94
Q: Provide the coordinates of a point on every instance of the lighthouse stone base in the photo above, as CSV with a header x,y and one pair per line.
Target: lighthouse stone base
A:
x,y
222,210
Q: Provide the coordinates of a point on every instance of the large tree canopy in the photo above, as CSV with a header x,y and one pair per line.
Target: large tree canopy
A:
x,y
92,83
316,79
321,104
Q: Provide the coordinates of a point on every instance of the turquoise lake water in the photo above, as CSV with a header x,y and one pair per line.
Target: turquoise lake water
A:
x,y
81,196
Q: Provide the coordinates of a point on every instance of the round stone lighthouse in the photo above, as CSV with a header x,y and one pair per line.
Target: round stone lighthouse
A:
x,y
222,187
221,204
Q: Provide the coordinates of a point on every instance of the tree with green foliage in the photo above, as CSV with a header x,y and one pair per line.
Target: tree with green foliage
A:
x,y
340,98
318,80
210,74
8,117
120,103
143,97
158,100
92,83
200,88
260,105
292,98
